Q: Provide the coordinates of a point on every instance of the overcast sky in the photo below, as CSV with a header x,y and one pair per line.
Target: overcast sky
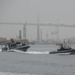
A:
x,y
21,11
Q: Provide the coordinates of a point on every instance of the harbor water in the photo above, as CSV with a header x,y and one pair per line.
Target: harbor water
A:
x,y
37,61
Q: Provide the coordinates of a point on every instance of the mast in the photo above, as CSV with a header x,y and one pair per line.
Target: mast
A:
x,y
38,37
24,31
57,31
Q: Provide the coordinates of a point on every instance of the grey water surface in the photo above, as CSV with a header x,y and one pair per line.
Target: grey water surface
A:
x,y
37,61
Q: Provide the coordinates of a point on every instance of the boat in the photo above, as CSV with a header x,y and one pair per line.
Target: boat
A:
x,y
64,48
10,47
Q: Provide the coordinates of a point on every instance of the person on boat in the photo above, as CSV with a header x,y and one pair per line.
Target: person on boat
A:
x,y
23,44
64,46
12,41
5,48
67,46
61,47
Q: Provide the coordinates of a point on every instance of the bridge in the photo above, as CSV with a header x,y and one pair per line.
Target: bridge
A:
x,y
38,26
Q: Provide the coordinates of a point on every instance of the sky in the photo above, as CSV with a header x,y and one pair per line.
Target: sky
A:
x,y
49,11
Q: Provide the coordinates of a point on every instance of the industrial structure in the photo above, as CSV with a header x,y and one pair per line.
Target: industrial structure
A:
x,y
20,35
38,28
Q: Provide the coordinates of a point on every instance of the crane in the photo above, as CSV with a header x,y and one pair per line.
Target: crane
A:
x,y
35,24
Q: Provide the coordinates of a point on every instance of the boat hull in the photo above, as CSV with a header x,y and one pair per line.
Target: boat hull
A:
x,y
22,48
63,51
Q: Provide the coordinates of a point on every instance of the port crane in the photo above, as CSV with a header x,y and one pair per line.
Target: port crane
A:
x,y
38,26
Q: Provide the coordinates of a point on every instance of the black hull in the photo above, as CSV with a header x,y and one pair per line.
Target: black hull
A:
x,y
23,48
63,49
71,51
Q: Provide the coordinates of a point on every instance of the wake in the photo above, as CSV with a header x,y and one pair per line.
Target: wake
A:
x,y
10,73
29,52
33,52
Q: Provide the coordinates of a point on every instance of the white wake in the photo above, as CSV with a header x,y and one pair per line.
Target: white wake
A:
x,y
32,52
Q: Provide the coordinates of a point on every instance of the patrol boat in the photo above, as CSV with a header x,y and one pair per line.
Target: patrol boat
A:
x,y
11,46
64,48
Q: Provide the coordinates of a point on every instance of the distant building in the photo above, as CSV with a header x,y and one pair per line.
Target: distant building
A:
x,y
2,39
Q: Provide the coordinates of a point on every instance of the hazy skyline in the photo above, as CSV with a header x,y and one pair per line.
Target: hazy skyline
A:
x,y
21,11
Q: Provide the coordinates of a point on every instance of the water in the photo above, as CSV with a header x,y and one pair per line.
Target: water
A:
x,y
37,61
